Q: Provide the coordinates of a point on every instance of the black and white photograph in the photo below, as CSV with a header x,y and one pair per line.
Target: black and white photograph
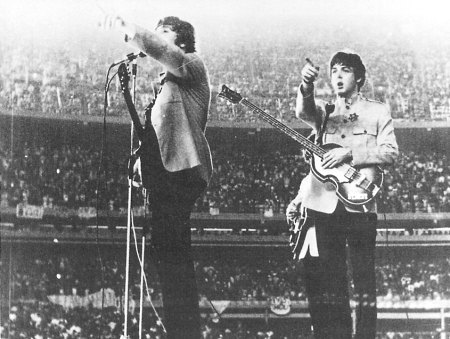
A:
x,y
241,169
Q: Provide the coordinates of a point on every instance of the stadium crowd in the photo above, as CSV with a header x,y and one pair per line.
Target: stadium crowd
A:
x,y
80,272
42,320
66,80
69,176
29,279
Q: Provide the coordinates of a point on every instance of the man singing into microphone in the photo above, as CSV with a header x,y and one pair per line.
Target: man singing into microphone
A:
x,y
178,118
364,129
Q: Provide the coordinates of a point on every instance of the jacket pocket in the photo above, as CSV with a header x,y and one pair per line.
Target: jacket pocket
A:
x,y
361,130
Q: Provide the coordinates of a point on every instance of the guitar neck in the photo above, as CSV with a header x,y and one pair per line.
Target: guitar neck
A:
x,y
302,140
124,79
134,115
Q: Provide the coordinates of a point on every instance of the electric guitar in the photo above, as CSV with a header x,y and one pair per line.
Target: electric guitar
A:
x,y
148,151
355,187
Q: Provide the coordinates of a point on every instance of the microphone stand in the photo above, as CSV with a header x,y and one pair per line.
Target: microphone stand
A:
x,y
130,222
144,232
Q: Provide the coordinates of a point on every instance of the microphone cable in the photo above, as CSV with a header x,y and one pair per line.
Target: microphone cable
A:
x,y
101,168
141,264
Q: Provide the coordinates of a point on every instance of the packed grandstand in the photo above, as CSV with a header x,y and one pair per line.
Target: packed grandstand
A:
x,y
53,162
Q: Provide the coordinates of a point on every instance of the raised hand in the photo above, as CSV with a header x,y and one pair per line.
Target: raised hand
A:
x,y
111,21
117,23
309,73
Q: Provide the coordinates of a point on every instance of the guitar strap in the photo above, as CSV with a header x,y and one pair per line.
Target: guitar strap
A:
x,y
148,109
164,77
151,163
329,108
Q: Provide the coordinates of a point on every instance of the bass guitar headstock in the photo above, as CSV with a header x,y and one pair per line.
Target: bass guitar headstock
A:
x,y
232,96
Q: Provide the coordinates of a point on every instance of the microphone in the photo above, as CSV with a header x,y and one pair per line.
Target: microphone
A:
x,y
130,57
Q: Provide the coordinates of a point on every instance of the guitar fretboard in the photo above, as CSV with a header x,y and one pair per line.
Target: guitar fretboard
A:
x,y
124,79
305,142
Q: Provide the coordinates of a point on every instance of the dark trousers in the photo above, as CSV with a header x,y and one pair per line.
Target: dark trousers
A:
x,y
326,276
171,201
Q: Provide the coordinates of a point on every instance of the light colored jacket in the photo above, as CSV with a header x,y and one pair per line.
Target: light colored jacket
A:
x,y
370,137
181,109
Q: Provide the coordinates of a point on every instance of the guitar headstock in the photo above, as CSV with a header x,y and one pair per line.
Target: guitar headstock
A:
x,y
230,95
124,77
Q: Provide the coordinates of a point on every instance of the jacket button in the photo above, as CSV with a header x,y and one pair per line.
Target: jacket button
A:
x,y
343,136
365,131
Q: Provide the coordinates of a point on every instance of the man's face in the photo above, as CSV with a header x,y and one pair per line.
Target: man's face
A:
x,y
343,80
166,32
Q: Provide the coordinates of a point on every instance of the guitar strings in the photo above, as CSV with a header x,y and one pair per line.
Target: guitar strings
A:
x,y
300,138
297,136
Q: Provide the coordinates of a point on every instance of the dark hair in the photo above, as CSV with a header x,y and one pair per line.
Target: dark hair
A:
x,y
351,60
185,32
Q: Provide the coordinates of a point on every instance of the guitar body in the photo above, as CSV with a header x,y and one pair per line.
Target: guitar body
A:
x,y
148,151
351,191
150,157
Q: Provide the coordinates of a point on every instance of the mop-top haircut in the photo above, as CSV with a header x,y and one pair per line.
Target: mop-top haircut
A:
x,y
350,59
185,32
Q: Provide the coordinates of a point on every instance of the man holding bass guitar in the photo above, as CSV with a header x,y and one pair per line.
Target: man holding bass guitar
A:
x,y
329,221
180,172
